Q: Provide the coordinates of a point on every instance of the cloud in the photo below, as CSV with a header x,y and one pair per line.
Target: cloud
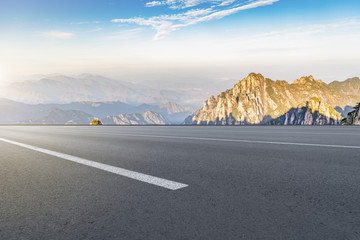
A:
x,y
95,29
153,4
180,4
58,34
81,23
216,9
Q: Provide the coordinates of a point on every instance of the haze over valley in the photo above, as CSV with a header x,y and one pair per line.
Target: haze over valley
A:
x,y
60,99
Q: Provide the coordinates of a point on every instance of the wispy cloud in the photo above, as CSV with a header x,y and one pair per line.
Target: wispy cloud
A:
x,y
154,3
165,24
95,29
178,4
88,22
58,34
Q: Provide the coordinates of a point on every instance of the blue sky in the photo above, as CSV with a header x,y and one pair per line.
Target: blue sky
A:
x,y
180,39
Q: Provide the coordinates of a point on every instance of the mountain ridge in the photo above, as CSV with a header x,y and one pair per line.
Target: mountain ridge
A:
x,y
13,112
258,100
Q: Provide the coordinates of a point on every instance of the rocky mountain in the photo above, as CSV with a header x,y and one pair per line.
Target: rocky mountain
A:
x,y
259,100
147,118
312,112
174,112
58,116
353,117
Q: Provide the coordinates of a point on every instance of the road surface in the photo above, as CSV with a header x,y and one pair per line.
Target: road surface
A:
x,y
82,182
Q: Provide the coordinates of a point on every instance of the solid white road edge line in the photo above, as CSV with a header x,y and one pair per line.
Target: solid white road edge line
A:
x,y
119,171
237,140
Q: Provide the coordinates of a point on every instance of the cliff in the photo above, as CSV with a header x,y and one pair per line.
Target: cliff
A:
x,y
312,112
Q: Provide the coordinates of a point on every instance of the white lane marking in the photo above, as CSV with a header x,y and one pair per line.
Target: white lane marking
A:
x,y
119,171
238,140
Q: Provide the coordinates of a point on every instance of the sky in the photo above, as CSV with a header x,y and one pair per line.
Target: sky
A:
x,y
186,41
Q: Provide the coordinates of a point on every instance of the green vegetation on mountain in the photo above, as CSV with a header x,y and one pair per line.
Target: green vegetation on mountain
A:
x,y
353,117
96,122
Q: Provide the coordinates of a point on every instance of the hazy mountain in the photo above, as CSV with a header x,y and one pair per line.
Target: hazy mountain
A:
x,y
99,109
58,116
147,118
256,100
174,112
14,112
313,112
65,89
94,88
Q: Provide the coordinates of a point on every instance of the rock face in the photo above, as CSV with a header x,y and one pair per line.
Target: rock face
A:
x,y
353,118
259,100
58,116
313,112
147,118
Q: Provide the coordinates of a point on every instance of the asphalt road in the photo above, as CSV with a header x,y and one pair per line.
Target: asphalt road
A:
x,y
238,183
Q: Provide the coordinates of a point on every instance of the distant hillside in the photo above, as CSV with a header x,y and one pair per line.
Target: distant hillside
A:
x,y
14,112
58,116
91,88
258,100
313,112
147,118
174,112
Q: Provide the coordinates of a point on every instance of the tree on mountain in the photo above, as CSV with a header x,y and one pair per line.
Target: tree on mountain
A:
x,y
349,120
357,107
96,122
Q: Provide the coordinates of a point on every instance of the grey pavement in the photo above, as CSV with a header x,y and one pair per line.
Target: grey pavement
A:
x,y
245,182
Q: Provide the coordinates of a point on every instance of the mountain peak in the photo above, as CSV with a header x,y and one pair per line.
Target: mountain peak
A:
x,y
254,77
305,79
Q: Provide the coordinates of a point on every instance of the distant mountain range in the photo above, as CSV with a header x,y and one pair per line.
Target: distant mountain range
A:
x,y
72,117
146,118
94,88
253,100
259,100
80,112
58,116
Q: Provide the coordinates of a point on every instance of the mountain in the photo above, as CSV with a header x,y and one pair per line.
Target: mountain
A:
x,y
62,89
147,118
312,112
13,112
58,116
258,100
99,109
65,89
